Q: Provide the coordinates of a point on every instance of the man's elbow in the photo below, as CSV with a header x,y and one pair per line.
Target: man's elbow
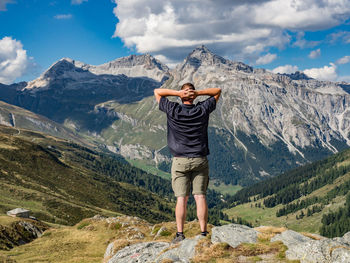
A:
x,y
156,95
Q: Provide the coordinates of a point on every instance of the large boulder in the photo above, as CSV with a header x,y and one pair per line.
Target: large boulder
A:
x,y
234,234
183,253
307,250
139,253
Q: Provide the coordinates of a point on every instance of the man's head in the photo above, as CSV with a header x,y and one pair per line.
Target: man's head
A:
x,y
185,86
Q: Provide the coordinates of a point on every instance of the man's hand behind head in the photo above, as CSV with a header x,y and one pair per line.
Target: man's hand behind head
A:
x,y
187,94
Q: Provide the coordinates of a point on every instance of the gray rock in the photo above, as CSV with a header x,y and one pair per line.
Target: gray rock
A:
x,y
340,255
308,250
290,238
183,253
346,237
234,234
344,240
98,217
109,250
35,231
145,252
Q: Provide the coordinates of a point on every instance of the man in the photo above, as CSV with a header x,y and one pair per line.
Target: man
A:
x,y
188,142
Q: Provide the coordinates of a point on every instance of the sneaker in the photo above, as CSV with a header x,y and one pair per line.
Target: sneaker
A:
x,y
204,234
178,238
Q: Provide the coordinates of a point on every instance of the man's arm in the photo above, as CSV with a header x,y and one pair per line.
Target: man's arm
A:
x,y
215,92
158,93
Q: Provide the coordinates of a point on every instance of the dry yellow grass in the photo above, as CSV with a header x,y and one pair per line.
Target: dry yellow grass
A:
x,y
6,220
223,252
208,252
268,232
66,244
313,236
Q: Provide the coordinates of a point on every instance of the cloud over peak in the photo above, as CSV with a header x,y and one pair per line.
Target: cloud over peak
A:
x,y
237,29
324,73
13,60
266,59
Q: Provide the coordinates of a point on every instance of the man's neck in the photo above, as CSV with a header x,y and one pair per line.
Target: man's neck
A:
x,y
187,102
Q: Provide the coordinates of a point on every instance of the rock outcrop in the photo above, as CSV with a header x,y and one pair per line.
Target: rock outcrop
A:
x,y
234,234
231,242
20,232
307,250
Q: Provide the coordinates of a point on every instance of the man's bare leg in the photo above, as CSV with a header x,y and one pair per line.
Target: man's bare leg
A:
x,y
180,212
202,211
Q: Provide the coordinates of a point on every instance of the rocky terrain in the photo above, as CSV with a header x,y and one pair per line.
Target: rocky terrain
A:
x,y
264,123
19,231
131,239
230,243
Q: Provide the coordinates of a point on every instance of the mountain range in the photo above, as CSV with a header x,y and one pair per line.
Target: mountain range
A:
x,y
264,123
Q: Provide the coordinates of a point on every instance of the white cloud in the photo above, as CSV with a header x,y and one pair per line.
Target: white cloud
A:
x,y
13,60
287,69
302,42
268,58
3,4
63,16
324,73
343,36
343,60
78,2
236,29
168,62
315,53
344,78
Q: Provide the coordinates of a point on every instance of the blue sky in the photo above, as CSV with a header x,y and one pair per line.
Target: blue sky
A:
x,y
280,35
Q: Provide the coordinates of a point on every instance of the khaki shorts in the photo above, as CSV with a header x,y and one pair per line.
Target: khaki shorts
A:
x,y
187,172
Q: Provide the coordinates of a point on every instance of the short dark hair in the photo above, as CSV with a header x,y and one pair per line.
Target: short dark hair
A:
x,y
188,85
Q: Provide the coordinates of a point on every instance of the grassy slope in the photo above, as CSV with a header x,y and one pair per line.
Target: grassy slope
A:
x,y
47,175
22,118
267,216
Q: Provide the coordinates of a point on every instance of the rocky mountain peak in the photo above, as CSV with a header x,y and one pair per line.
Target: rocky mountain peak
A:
x,y
147,61
298,76
203,56
132,66
135,66
62,66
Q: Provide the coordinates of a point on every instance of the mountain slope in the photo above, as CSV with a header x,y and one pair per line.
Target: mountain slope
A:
x,y
297,199
17,117
54,178
264,123
69,90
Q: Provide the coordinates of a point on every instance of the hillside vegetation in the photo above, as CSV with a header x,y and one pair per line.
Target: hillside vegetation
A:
x,y
63,182
301,198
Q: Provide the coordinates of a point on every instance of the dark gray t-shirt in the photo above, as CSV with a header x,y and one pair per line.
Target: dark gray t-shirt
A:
x,y
188,126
